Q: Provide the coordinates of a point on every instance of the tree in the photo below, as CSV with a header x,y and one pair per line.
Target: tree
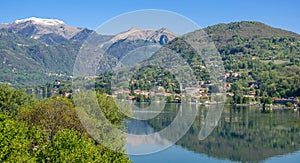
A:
x,y
246,100
12,99
17,141
66,139
170,99
70,146
238,97
102,118
289,104
267,100
54,114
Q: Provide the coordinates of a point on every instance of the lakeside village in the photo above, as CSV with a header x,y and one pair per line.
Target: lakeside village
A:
x,y
200,94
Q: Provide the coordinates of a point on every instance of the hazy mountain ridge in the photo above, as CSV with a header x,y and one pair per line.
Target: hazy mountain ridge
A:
x,y
147,35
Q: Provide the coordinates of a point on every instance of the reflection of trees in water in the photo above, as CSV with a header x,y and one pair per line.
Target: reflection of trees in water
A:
x,y
169,125
243,134
157,123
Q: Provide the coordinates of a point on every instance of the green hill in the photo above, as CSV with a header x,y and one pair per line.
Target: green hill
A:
x,y
26,61
261,54
259,60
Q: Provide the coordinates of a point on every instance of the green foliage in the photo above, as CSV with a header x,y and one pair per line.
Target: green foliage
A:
x,y
112,111
50,131
267,100
70,146
12,99
141,98
27,61
102,118
18,143
15,142
289,104
54,114
261,54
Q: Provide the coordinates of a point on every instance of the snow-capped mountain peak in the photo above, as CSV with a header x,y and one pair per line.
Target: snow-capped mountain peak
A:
x,y
40,21
38,27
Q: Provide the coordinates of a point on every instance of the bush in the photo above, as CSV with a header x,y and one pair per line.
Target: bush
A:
x,y
289,104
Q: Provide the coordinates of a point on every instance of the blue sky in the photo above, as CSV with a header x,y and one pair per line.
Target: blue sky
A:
x,y
84,13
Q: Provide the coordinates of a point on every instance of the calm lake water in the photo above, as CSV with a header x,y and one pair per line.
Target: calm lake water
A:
x,y
242,134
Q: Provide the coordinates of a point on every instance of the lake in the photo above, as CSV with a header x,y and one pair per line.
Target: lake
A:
x,y
239,134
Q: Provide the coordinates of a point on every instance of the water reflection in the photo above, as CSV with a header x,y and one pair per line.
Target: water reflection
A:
x,y
246,134
175,120
242,134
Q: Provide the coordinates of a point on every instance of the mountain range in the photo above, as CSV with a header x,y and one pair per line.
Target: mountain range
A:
x,y
36,51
